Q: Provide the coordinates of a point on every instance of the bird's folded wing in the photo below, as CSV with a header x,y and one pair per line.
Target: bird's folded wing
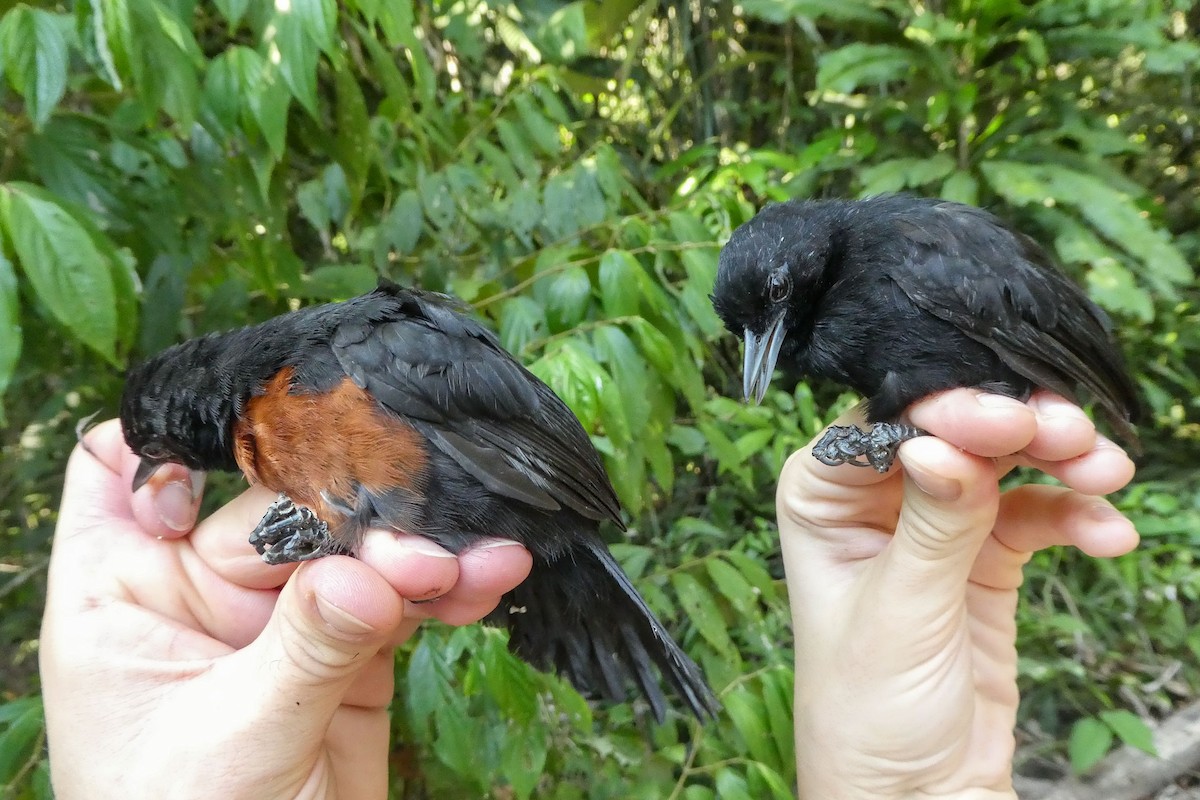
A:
x,y
448,376
1001,290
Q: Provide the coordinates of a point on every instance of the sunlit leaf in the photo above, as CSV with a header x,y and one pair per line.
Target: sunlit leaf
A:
x,y
68,272
34,51
856,65
1089,742
1130,729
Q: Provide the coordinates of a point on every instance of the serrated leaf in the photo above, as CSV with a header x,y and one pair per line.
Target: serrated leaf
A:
x,y
34,51
697,602
68,272
1130,729
847,68
1090,741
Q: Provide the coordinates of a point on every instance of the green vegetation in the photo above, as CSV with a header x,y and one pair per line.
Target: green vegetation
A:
x,y
570,169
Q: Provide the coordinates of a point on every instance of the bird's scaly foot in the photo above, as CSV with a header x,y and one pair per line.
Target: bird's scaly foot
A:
x,y
288,533
875,447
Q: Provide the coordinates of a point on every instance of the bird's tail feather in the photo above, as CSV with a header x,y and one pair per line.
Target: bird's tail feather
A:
x,y
581,617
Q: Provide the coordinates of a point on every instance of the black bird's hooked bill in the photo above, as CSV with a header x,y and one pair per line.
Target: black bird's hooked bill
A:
x,y
899,297
395,410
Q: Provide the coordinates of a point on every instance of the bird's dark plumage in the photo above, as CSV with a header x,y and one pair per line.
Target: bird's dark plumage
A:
x,y
900,297
393,409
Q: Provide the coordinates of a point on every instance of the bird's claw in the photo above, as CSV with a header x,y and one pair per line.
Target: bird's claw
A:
x,y
289,533
876,447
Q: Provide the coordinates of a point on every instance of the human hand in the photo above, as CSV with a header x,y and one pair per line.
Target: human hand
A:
x,y
183,666
903,590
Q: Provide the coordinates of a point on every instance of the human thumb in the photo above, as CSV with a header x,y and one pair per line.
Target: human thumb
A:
x,y
951,499
332,617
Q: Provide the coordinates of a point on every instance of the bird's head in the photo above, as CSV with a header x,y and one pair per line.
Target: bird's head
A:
x,y
173,411
771,275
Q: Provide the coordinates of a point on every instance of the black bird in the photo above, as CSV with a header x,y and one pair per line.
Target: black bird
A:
x,y
900,297
394,410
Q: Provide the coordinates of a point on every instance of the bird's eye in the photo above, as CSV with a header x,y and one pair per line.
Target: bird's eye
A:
x,y
156,452
779,288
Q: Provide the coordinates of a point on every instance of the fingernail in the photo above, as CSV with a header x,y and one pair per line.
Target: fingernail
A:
x,y
427,548
340,619
998,401
493,544
939,487
176,506
197,477
1104,512
1055,406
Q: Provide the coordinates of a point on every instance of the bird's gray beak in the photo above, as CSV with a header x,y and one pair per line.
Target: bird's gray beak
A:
x,y
762,351
145,472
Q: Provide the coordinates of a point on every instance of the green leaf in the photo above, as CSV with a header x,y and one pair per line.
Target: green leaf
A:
x,y
297,59
904,173
20,737
400,228
961,187
732,786
10,325
336,282
93,35
700,608
733,585
1130,729
618,283
862,11
522,320
1112,286
567,296
749,717
542,131
70,275
847,68
1109,210
232,10
1090,741
318,19
34,51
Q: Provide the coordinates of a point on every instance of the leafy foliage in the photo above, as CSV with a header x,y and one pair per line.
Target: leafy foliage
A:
x,y
570,169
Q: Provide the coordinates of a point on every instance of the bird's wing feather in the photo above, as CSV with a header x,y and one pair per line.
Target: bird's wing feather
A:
x,y
1000,288
448,376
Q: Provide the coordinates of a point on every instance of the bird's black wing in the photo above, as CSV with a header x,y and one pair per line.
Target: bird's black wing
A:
x,y
1000,288
448,376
